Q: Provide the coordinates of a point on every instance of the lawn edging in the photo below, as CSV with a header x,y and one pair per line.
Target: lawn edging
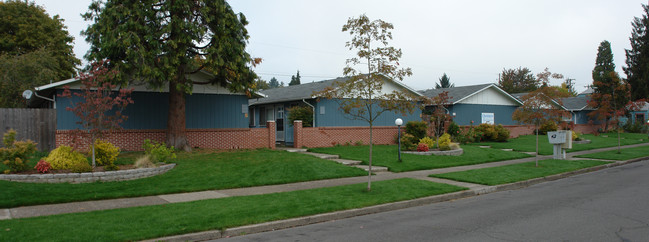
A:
x,y
88,177
319,218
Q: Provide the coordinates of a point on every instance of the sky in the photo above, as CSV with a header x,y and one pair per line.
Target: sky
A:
x,y
471,41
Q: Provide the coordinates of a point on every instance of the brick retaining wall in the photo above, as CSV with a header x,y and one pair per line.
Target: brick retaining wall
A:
x,y
330,136
132,140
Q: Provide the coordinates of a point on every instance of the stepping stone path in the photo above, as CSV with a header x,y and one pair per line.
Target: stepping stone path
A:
x,y
336,158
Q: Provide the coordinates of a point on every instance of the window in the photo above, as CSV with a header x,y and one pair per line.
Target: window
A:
x,y
639,117
322,110
262,114
251,117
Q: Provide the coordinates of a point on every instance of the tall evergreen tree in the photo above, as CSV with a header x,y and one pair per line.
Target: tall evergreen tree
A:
x,y
518,80
637,58
273,83
444,82
603,67
295,80
161,42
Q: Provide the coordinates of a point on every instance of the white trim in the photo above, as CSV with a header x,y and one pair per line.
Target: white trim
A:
x,y
485,88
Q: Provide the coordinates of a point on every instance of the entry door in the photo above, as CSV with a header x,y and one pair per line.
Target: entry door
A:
x,y
279,123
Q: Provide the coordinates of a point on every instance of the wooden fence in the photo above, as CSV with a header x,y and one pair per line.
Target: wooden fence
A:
x,y
38,125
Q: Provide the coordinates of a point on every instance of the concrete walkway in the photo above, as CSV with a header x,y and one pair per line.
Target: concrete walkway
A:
x,y
75,207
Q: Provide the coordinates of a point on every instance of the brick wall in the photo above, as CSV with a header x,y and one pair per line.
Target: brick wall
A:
x,y
329,136
132,140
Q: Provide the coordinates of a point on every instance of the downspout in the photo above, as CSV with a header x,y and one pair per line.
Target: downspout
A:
x,y
48,99
313,108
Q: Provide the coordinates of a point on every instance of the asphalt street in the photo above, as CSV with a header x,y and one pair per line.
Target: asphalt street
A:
x,y
606,205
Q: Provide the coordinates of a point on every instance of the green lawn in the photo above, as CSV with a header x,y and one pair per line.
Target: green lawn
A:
x,y
164,220
518,172
193,172
626,154
527,143
386,155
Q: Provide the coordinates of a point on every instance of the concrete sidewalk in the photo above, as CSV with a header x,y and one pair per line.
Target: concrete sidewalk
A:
x,y
75,207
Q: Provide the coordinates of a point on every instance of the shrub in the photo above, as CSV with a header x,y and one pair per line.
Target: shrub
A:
x,y
358,143
576,136
488,132
158,151
548,127
64,157
43,166
15,154
105,153
144,162
635,127
428,141
445,142
453,130
422,147
80,167
408,142
303,113
416,128
503,133
454,146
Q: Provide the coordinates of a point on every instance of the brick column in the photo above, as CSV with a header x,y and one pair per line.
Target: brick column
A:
x,y
270,125
297,134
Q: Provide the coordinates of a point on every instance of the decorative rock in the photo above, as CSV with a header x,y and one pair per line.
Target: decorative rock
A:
x,y
87,177
508,149
485,146
581,142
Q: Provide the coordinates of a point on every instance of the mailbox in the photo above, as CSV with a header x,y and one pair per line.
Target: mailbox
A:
x,y
568,143
557,137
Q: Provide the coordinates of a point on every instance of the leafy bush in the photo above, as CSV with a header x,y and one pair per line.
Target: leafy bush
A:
x,y
409,142
635,127
548,127
158,151
576,136
503,133
303,113
453,129
445,142
106,154
15,154
454,146
80,167
422,147
416,128
43,166
64,157
428,141
488,131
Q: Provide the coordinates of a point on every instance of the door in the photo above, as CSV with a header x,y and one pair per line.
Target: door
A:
x,y
279,123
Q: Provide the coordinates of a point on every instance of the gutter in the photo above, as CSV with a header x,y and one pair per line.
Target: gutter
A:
x,y
313,108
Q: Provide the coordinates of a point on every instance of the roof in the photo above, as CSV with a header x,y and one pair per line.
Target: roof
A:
x,y
304,91
576,103
457,94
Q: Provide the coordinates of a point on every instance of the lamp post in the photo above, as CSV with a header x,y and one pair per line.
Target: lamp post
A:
x,y
399,122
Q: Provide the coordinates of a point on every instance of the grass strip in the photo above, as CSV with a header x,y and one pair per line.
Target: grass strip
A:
x,y
193,172
387,155
626,154
518,172
527,143
171,219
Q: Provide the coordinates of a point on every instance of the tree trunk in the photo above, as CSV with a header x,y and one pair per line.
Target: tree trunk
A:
x,y
536,156
369,171
176,133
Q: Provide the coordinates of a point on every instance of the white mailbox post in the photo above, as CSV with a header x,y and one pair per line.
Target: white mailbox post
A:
x,y
561,140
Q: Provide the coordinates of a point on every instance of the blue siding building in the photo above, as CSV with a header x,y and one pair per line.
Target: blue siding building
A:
x,y
485,103
327,113
208,107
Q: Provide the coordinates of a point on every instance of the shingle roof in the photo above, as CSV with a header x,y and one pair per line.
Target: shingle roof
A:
x,y
293,93
302,91
576,103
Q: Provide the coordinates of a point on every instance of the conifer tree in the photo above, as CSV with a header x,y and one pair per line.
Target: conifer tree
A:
x,y
637,58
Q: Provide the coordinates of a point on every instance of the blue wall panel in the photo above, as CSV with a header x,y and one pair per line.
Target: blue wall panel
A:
x,y
216,111
150,110
465,113
334,117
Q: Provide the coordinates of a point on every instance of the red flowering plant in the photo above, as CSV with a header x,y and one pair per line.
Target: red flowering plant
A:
x,y
422,147
43,166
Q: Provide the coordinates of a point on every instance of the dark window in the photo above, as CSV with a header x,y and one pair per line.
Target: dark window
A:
x,y
262,115
251,117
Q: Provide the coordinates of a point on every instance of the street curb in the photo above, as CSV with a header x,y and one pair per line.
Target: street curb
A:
x,y
319,218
